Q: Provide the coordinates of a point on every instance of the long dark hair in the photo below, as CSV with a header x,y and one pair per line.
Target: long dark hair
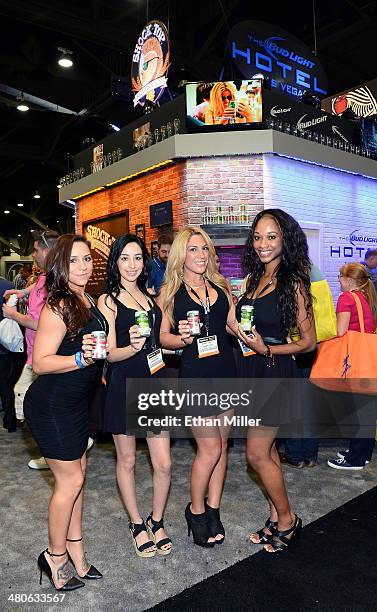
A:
x,y
113,275
293,271
61,299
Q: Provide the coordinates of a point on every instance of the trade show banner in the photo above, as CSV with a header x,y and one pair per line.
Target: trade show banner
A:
x,y
101,233
362,100
257,47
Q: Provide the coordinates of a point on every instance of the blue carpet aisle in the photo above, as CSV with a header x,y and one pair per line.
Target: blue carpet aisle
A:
x,y
332,568
131,584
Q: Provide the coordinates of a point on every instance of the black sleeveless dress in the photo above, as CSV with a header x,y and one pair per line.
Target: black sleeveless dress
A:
x,y
274,400
56,405
114,419
209,368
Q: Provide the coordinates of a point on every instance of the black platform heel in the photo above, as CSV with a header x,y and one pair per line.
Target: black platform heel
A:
x,y
280,541
153,526
141,551
198,524
92,573
215,525
265,538
71,585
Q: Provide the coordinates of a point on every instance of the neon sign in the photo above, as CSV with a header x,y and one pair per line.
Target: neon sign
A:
x,y
289,64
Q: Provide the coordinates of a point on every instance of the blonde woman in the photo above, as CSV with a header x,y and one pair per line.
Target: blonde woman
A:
x,y
354,278
192,282
222,106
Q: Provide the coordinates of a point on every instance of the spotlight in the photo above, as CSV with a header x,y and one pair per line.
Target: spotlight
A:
x,y
20,204
65,60
59,186
22,106
310,99
19,235
116,128
6,212
36,195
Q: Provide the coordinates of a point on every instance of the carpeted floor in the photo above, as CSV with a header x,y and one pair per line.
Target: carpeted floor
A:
x,y
133,585
332,568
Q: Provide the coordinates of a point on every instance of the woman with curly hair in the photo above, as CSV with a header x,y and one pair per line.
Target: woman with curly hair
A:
x,y
278,286
127,274
192,282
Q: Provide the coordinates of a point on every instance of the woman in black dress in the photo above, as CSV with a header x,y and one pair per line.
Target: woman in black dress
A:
x,y
127,274
192,282
56,404
278,286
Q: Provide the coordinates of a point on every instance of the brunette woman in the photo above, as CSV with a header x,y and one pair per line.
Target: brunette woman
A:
x,y
56,404
354,279
192,282
127,275
278,286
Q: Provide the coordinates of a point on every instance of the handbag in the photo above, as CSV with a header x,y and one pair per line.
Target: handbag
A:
x,y
348,363
11,336
323,312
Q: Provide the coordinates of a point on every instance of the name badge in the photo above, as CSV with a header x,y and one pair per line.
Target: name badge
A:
x,y
246,350
155,361
207,346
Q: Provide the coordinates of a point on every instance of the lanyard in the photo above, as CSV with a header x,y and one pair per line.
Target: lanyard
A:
x,y
150,313
206,306
100,319
263,290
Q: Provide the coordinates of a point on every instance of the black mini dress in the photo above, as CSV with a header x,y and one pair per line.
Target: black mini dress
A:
x,y
56,406
274,400
115,419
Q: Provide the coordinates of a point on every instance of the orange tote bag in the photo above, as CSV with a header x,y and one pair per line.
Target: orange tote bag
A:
x,y
348,363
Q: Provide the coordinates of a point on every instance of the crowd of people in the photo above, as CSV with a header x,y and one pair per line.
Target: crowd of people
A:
x,y
61,373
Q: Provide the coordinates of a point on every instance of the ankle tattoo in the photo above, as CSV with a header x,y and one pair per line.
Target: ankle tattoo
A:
x,y
64,572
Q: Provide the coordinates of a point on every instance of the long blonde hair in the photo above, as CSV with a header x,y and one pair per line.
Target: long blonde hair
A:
x,y
360,275
174,268
216,103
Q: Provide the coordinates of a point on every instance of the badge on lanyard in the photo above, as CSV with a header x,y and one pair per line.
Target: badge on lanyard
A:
x,y
246,350
207,346
155,361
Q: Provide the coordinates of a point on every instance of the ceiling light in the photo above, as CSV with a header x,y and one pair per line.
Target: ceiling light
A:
x,y
36,195
19,235
59,186
22,105
6,212
20,204
116,128
65,60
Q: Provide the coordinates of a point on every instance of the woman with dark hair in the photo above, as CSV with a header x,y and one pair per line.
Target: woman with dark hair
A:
x,y
278,287
129,357
56,404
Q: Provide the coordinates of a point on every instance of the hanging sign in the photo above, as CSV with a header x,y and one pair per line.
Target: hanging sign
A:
x,y
263,48
362,100
150,63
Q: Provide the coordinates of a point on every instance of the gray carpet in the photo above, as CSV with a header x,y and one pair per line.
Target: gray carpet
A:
x,y
131,583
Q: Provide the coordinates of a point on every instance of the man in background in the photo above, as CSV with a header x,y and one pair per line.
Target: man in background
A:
x,y
36,295
370,263
7,370
157,274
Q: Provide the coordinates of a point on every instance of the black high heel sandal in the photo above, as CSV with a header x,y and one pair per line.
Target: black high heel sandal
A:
x,y
71,585
198,524
280,541
153,526
135,530
92,573
215,525
265,538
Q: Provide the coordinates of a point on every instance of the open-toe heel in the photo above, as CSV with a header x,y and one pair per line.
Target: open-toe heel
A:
x,y
198,524
141,551
153,526
280,540
92,573
72,583
265,538
215,525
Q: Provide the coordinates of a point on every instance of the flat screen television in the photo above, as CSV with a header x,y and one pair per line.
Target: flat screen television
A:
x,y
369,135
161,214
223,104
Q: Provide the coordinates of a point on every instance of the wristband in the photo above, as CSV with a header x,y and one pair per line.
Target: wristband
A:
x,y
267,353
26,293
78,360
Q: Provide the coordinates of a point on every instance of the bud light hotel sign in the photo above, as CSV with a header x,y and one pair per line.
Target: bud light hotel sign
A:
x,y
259,47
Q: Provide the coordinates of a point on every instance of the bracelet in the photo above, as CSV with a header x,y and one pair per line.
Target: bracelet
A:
x,y
78,360
26,293
267,353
